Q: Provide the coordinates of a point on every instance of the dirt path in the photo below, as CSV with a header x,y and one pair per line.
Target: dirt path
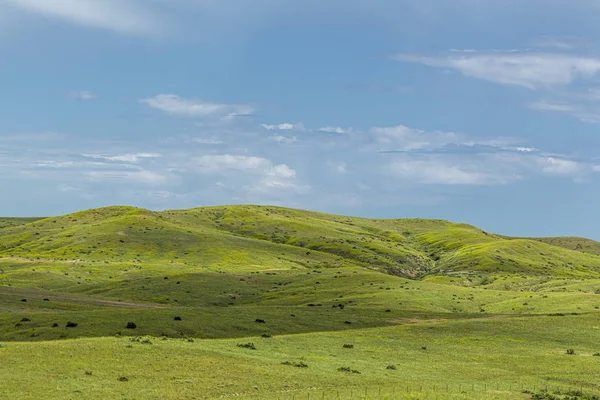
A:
x,y
36,294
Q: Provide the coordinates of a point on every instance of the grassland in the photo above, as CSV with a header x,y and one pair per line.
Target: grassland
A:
x,y
492,311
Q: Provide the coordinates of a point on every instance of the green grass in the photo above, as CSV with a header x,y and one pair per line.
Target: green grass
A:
x,y
498,358
493,312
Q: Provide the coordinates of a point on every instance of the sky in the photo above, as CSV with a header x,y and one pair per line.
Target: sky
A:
x,y
478,111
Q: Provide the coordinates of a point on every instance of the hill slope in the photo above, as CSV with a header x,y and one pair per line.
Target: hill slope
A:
x,y
267,237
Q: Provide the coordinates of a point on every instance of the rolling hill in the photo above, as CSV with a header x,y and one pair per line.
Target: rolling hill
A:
x,y
265,236
298,300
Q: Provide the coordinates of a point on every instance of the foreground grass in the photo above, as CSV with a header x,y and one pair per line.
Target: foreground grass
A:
x,y
474,359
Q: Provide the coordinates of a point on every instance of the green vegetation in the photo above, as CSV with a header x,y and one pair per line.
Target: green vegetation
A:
x,y
267,302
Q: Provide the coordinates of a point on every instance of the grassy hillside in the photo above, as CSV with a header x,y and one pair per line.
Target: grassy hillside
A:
x,y
491,311
8,222
481,359
573,243
266,237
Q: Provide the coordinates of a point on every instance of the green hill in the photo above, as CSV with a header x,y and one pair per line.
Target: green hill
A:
x,y
266,237
319,295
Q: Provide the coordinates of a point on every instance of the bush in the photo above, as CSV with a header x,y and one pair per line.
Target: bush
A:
x,y
131,325
260,321
570,352
123,379
266,335
55,325
177,318
392,367
297,365
348,346
348,370
71,324
250,346
25,319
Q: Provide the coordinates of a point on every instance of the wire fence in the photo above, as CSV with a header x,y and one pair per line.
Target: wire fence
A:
x,y
487,391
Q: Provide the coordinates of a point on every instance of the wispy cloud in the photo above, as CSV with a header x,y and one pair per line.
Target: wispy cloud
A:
x,y
127,158
83,95
445,170
585,111
403,138
334,129
123,16
178,106
282,127
139,176
527,69
284,139
259,174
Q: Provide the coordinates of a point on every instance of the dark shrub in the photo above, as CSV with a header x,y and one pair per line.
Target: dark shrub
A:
x,y
131,325
250,346
348,346
388,310
260,321
55,325
347,322
266,335
392,367
570,352
348,369
24,300
423,347
71,324
25,319
123,379
46,299
177,318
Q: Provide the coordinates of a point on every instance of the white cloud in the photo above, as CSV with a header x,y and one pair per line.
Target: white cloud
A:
x,y
407,139
284,139
556,166
140,176
339,167
207,141
280,127
585,111
333,129
214,164
123,16
530,70
260,175
438,170
178,106
83,95
127,158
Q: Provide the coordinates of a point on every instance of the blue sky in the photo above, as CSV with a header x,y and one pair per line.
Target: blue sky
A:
x,y
483,112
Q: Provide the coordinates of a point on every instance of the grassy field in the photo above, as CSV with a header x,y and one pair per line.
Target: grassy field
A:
x,y
495,315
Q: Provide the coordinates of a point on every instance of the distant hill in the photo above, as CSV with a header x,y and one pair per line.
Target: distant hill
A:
x,y
8,222
572,243
280,237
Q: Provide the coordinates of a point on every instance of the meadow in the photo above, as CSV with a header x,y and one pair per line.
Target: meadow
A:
x,y
271,303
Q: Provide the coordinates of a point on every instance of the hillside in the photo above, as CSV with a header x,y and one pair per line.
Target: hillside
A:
x,y
9,222
267,237
287,304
